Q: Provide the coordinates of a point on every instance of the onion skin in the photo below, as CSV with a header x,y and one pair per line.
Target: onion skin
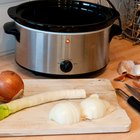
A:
x,y
11,86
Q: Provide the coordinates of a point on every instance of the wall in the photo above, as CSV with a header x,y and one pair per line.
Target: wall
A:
x,y
7,42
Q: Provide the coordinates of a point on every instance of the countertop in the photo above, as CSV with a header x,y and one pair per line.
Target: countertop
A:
x,y
120,49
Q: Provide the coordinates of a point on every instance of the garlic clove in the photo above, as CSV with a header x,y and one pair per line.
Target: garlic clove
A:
x,y
129,67
126,66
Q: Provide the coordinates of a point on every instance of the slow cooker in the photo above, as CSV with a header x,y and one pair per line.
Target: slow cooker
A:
x,y
62,37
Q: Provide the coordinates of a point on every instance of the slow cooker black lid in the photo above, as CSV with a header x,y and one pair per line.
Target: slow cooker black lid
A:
x,y
63,16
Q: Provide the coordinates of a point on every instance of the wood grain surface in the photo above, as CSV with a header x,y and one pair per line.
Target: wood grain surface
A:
x,y
34,120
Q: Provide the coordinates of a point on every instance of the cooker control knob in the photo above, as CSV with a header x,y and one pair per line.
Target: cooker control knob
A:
x,y
66,66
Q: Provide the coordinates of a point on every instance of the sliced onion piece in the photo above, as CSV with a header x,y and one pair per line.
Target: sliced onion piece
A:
x,y
93,107
65,113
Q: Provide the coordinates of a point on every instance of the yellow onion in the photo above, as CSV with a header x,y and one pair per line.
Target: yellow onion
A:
x,y
11,86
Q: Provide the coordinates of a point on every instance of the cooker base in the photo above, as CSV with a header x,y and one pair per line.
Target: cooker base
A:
x,y
57,76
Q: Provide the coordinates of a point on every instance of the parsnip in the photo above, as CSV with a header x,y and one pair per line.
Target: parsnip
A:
x,y
29,101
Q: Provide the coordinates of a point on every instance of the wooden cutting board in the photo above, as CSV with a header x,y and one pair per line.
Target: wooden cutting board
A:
x,y
34,121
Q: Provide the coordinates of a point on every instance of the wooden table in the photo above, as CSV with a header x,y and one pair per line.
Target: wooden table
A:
x,y
119,50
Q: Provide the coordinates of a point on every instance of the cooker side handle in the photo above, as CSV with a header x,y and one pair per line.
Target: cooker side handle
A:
x,y
114,30
10,28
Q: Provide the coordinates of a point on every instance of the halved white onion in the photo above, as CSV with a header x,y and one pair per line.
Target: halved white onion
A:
x,y
93,107
65,113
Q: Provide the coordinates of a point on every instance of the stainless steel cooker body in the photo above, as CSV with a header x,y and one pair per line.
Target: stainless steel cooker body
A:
x,y
62,53
62,37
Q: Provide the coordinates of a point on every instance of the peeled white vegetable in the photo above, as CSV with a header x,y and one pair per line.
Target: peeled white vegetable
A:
x,y
69,112
65,113
30,101
93,107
